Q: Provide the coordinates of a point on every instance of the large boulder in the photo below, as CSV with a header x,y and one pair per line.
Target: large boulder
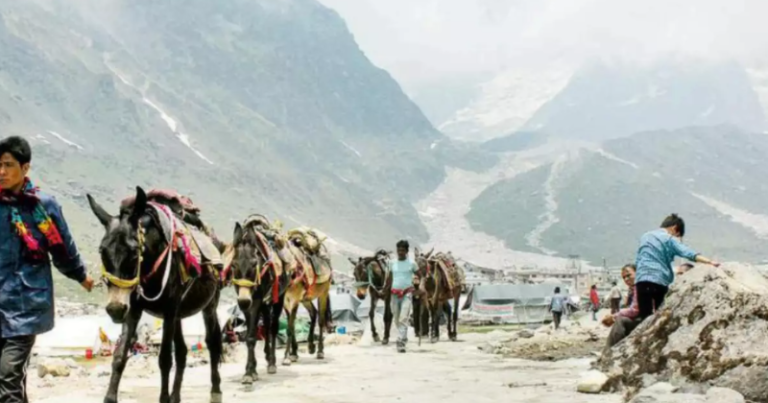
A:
x,y
712,329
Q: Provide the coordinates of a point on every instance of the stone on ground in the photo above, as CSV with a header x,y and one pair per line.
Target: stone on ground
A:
x,y
711,330
592,382
724,395
54,368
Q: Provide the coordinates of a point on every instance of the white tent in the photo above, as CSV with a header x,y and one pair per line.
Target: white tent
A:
x,y
73,336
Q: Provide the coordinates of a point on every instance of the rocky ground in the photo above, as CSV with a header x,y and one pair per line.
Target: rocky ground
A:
x,y
358,369
705,346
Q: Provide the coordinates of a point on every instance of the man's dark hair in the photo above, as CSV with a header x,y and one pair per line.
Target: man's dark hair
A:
x,y
673,220
614,283
557,290
403,244
630,266
18,147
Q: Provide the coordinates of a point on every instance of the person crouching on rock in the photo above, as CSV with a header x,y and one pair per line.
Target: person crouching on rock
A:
x,y
557,306
657,251
403,278
626,320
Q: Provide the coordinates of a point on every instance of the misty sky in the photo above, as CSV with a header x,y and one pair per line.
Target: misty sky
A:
x,y
418,40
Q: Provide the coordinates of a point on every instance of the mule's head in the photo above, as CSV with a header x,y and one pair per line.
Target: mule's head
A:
x,y
128,237
247,263
360,272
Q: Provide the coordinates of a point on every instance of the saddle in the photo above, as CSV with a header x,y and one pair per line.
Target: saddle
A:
x,y
311,242
196,240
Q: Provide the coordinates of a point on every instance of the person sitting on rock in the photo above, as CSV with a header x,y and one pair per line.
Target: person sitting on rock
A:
x,y
655,255
626,320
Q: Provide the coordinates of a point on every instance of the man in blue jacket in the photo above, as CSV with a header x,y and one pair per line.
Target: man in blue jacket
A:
x,y
33,233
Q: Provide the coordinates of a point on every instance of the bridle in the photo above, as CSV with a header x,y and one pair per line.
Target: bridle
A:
x,y
135,283
260,271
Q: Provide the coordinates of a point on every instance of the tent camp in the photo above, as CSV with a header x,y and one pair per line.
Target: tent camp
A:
x,y
512,303
71,337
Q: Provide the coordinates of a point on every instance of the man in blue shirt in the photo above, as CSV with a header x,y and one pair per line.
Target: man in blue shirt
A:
x,y
655,256
403,277
33,234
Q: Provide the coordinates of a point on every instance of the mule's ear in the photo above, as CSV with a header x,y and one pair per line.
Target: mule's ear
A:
x,y
354,263
416,252
238,236
139,205
104,217
430,253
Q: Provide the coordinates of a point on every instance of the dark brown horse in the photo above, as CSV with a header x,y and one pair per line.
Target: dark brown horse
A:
x,y
144,272
439,282
372,277
260,282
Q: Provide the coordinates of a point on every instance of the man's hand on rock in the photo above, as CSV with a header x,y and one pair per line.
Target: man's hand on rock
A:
x,y
608,320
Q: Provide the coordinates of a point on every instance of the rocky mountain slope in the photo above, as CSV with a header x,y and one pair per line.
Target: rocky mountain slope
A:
x,y
247,106
597,202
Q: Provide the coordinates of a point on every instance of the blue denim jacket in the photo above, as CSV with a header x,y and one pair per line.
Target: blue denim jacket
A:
x,y
26,288
657,251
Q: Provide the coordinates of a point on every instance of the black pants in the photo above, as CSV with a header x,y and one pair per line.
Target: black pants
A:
x,y
650,297
556,316
14,359
621,329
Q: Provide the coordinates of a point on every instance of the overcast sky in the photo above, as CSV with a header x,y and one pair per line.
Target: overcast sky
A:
x,y
419,40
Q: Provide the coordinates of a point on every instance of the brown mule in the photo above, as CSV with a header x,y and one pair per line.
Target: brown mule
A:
x,y
372,277
440,281
309,279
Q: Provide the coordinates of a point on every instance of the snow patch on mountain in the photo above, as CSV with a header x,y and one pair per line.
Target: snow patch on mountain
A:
x,y
506,103
444,211
65,140
757,223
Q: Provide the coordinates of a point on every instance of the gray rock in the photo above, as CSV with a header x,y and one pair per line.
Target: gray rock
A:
x,y
592,382
54,368
660,388
724,395
525,334
712,328
669,398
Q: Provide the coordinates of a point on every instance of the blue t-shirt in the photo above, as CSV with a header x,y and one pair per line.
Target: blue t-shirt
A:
x,y
402,273
656,254
558,303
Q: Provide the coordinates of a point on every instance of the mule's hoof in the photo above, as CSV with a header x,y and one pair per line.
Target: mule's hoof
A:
x,y
321,355
249,379
433,340
217,398
311,348
272,369
385,342
376,338
454,338
287,362
294,358
110,400
175,398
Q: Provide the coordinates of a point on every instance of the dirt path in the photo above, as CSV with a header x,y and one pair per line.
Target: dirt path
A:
x,y
444,372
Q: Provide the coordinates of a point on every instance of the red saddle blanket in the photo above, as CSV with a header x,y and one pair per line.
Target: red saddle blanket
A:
x,y
165,196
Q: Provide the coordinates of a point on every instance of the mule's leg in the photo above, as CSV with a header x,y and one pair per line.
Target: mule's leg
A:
x,y
322,303
456,308
311,347
180,352
214,342
276,308
372,314
387,318
253,314
121,353
434,317
166,359
448,319
292,345
417,314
